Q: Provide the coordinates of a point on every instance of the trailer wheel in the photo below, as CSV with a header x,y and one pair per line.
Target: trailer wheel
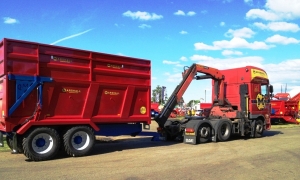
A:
x,y
224,131
9,142
41,144
259,128
204,133
79,141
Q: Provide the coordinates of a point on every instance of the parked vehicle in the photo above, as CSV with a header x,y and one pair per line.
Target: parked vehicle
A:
x,y
240,105
285,109
54,98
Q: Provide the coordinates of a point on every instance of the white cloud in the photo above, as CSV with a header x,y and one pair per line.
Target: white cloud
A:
x,y
197,57
243,33
295,90
170,62
72,36
276,10
183,58
143,26
226,1
222,23
204,12
191,13
235,42
229,63
145,16
282,40
8,20
179,13
202,46
287,71
174,77
153,78
183,32
278,26
182,13
229,53
249,2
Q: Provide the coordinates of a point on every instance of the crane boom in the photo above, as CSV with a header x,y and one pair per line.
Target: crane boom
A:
x,y
188,75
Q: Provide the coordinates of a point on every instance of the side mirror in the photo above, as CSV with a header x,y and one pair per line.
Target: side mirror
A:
x,y
271,89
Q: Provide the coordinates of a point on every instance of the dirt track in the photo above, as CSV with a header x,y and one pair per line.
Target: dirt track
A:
x,y
275,156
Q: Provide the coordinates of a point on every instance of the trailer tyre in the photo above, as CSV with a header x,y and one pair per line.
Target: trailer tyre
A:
x,y
204,133
259,128
79,141
224,131
41,144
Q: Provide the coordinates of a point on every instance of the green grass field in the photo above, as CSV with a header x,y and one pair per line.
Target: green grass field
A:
x,y
5,148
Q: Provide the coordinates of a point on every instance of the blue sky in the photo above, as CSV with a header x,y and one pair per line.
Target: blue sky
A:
x,y
171,33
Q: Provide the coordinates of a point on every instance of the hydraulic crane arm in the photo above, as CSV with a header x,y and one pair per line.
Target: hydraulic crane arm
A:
x,y
188,75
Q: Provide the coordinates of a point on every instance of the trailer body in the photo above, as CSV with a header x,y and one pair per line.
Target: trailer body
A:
x,y
58,87
285,109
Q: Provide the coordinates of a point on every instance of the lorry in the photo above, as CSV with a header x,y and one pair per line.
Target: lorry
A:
x,y
285,109
57,98
240,105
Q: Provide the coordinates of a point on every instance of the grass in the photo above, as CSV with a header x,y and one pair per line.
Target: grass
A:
x,y
5,148
282,126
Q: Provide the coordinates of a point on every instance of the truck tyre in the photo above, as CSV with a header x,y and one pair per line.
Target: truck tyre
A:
x,y
79,141
9,142
41,144
259,128
224,131
204,133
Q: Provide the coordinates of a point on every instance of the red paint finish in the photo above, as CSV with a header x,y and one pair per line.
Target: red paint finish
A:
x,y
286,108
88,87
257,81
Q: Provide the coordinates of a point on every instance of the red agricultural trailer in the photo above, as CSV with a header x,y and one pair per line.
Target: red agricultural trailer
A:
x,y
285,109
54,96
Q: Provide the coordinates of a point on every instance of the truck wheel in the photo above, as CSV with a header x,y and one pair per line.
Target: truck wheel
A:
x,y
9,142
203,135
224,131
259,128
41,144
79,141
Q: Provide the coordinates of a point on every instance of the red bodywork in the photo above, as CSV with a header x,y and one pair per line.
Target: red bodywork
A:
x,y
87,87
257,102
206,108
237,94
285,108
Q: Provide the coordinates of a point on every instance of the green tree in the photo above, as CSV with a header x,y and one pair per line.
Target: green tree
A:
x,y
192,103
157,95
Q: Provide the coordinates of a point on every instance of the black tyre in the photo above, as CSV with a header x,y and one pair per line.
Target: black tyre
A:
x,y
41,144
79,141
204,133
259,128
9,142
224,131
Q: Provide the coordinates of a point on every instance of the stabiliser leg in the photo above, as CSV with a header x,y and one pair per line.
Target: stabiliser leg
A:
x,y
1,140
15,144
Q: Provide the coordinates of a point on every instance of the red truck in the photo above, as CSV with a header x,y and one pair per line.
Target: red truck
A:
x,y
285,109
52,97
240,105
55,98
